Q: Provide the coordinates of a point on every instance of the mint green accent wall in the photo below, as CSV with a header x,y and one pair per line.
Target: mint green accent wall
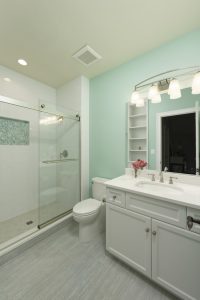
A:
x,y
110,92
186,101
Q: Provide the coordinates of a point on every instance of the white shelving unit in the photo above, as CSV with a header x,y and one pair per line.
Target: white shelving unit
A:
x,y
137,132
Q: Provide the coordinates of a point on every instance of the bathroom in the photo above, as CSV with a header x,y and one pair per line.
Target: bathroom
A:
x,y
99,150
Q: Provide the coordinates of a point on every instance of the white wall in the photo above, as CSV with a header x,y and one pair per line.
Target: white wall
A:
x,y
24,88
69,95
19,164
75,96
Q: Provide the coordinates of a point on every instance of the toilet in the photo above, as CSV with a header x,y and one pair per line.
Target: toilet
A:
x,y
90,213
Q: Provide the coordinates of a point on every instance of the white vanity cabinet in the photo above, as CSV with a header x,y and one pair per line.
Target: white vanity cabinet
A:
x,y
151,236
176,259
129,237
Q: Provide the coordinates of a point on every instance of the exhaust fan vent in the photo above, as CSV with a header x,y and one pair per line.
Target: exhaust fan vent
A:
x,y
87,56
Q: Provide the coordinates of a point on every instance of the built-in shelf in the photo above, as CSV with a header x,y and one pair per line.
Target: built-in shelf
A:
x,y
138,150
142,138
137,116
137,133
137,127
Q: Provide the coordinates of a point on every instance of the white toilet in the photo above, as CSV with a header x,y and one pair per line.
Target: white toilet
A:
x,y
90,213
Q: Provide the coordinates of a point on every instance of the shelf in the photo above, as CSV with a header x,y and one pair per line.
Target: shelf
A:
x,y
138,115
135,127
137,150
137,132
142,138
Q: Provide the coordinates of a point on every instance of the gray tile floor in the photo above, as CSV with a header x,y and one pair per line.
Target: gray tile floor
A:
x,y
59,267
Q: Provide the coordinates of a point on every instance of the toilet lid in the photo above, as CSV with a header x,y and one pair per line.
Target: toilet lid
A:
x,y
87,206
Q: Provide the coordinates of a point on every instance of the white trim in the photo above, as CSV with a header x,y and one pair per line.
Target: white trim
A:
x,y
158,130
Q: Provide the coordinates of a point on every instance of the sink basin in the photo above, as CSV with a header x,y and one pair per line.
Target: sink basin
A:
x,y
157,187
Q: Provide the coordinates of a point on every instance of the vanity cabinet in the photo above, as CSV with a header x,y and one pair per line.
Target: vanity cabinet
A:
x,y
151,236
176,259
129,237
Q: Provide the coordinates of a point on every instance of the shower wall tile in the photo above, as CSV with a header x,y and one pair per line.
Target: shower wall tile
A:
x,y
14,132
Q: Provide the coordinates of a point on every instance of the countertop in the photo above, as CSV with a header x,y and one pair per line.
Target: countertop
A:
x,y
190,195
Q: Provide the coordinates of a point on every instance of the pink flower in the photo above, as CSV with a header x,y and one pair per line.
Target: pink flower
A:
x,y
139,164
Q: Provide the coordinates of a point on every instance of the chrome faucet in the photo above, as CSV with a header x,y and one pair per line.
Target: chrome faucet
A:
x,y
161,174
161,177
153,177
171,179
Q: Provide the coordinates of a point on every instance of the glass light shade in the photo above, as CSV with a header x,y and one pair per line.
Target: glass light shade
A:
x,y
196,84
140,102
153,92
174,90
156,99
134,97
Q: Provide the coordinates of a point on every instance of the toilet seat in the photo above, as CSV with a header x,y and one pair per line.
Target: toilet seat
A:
x,y
87,207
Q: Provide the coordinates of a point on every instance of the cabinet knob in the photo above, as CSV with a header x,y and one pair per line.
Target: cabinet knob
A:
x,y
114,197
154,232
147,229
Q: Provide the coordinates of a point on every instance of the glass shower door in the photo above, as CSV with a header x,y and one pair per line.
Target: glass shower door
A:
x,y
59,165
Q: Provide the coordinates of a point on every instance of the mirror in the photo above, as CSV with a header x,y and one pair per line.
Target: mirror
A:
x,y
173,133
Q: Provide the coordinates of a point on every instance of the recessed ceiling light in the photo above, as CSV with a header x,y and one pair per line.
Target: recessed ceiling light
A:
x,y
22,62
7,79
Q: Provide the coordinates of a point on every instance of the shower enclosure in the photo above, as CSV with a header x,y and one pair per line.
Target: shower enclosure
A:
x,y
39,166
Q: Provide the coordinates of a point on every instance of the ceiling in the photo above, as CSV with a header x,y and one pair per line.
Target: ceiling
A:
x,y
47,33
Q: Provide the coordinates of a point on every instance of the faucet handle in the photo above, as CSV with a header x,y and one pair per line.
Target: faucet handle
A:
x,y
153,177
171,179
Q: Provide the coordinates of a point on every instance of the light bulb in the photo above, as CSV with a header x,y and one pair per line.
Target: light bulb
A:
x,y
153,92
134,97
140,102
22,62
174,90
7,79
196,84
156,99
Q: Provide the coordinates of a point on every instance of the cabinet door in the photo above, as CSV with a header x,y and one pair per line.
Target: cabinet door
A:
x,y
128,236
176,259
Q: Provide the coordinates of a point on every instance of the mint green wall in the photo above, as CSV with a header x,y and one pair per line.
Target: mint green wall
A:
x,y
110,92
187,100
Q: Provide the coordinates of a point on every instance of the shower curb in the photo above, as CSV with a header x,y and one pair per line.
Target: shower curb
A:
x,y
13,250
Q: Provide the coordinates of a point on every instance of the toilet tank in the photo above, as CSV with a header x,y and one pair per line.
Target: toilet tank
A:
x,y
99,188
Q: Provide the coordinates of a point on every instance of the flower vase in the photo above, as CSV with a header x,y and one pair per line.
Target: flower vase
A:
x,y
135,173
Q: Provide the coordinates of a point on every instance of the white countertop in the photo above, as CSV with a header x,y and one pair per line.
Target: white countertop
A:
x,y
190,195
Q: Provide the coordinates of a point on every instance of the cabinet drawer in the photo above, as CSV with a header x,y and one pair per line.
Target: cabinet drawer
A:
x,y
158,209
116,197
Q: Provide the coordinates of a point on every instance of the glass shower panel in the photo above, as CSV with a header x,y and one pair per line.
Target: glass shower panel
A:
x,y
19,155
59,165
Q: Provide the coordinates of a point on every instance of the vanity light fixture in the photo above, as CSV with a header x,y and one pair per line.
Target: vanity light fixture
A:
x,y
174,90
156,99
154,94
140,102
7,79
196,84
166,82
134,97
22,62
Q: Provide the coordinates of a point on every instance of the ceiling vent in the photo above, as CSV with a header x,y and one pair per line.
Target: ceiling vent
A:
x,y
87,56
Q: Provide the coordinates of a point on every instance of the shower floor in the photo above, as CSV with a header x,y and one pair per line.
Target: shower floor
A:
x,y
17,226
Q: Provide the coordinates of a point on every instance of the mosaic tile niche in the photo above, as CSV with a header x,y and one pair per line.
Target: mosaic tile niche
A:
x,y
14,132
